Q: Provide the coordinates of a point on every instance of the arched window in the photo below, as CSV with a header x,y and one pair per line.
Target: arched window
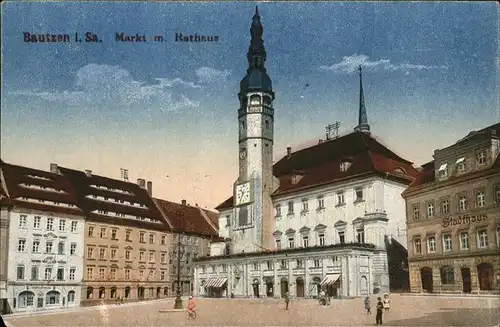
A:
x,y
447,275
255,99
71,296
113,292
52,297
127,292
26,299
102,292
90,292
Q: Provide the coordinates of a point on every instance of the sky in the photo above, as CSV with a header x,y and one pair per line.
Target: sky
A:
x,y
167,111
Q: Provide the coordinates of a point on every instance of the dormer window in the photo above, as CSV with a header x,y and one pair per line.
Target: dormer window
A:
x,y
461,165
344,165
443,171
254,100
399,171
295,177
481,157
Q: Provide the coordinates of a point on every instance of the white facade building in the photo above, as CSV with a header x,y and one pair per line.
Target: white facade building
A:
x,y
316,219
45,241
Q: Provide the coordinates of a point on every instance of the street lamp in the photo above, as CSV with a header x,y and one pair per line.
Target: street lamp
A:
x,y
178,298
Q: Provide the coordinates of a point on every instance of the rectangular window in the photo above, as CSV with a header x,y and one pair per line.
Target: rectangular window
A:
x,y
431,244
141,238
50,223
62,225
163,258
416,211
480,199
317,263
127,254
90,273
291,242
72,272
482,239
443,171
341,237
151,238
48,247
464,241
22,220
127,236
151,256
359,194
256,266
21,245
283,264
269,265
91,231
340,198
462,203
60,248
360,235
278,244
48,273
101,273
72,249
163,239
481,157
113,254
36,222
461,167
141,255
321,238
305,241
112,273
103,232
321,202
90,252
20,272
127,274
102,253
417,243
305,205
430,209
299,263
34,273
74,226
162,275
36,246
445,207
447,242
290,207
113,234
60,273
278,210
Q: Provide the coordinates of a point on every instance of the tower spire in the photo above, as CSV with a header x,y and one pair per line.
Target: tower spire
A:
x,y
362,120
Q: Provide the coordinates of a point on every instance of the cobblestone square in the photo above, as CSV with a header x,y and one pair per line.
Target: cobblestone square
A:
x,y
405,311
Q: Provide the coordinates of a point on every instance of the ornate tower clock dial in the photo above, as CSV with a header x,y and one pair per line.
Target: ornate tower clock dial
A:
x,y
243,194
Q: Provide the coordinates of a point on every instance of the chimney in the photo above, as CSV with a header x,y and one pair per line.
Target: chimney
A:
x,y
141,182
54,168
183,202
150,188
88,172
288,152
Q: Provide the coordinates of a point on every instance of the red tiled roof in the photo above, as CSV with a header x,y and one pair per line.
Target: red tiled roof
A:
x,y
188,219
134,194
320,164
15,176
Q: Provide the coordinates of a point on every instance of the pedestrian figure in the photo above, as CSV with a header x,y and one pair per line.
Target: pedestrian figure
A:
x,y
380,311
387,302
287,300
367,305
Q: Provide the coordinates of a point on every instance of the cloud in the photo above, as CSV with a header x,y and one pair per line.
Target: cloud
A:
x,y
211,75
350,64
97,84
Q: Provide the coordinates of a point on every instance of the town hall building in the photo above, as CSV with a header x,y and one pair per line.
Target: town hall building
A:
x,y
320,218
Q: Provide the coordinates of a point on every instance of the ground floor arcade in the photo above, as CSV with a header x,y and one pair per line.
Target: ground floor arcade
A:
x,y
345,273
471,274
37,296
96,293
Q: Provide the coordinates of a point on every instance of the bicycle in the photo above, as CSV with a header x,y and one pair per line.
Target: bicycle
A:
x,y
190,314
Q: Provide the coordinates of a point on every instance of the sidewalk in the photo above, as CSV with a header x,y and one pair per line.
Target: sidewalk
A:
x,y
455,295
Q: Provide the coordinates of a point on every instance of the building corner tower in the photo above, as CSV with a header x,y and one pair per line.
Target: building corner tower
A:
x,y
252,191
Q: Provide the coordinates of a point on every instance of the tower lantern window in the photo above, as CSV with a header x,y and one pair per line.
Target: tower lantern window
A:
x,y
255,100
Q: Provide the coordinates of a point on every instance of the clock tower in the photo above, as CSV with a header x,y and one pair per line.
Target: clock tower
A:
x,y
252,223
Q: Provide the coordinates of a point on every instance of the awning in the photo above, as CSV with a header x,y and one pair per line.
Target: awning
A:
x,y
216,282
330,279
460,160
443,166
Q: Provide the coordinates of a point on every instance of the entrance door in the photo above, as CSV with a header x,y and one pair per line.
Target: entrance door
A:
x,y
284,287
364,285
39,302
255,290
426,276
299,287
485,276
467,287
269,289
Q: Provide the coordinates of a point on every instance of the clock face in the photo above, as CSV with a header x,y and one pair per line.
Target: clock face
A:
x,y
242,193
243,154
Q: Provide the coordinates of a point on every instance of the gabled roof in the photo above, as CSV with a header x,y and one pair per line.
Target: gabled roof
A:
x,y
320,164
90,199
39,190
189,219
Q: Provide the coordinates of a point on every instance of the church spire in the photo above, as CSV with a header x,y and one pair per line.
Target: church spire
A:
x,y
362,120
